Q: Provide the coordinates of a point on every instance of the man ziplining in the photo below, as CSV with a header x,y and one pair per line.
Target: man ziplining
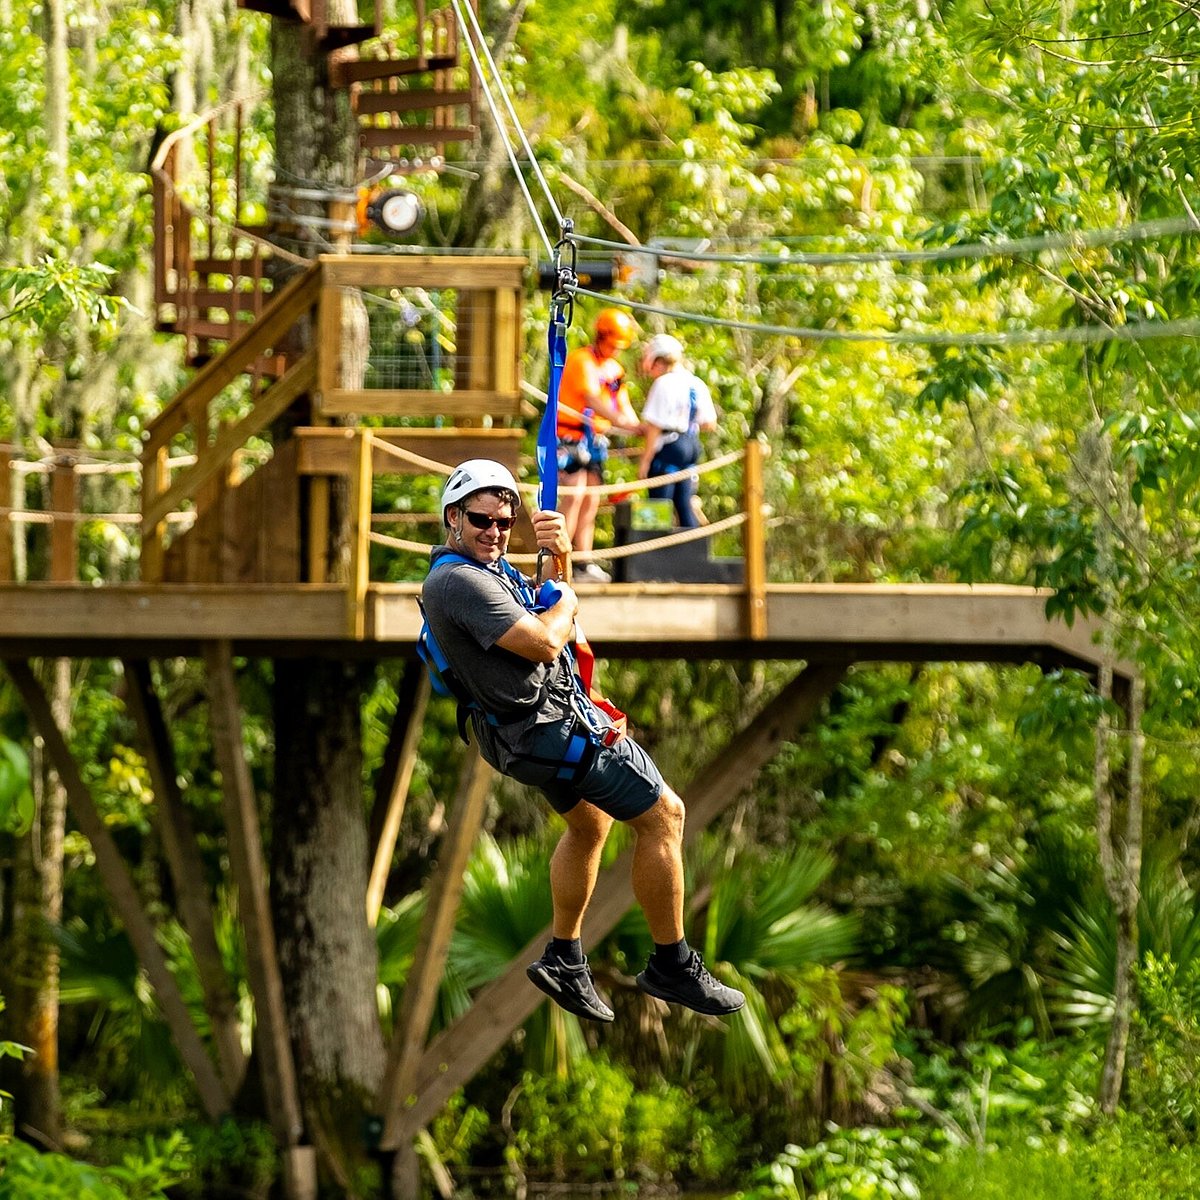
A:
x,y
506,648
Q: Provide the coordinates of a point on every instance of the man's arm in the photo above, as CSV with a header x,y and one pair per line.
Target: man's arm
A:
x,y
540,637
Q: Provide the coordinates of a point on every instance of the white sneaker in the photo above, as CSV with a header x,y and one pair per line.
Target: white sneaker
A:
x,y
591,573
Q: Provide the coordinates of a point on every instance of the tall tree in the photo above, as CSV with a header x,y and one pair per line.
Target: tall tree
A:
x,y
38,867
318,836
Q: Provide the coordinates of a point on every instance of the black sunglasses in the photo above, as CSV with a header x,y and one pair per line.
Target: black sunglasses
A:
x,y
483,521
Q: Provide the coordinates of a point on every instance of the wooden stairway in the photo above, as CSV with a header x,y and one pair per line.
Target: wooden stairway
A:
x,y
210,276
410,105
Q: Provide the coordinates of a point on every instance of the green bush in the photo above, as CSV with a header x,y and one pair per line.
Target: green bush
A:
x,y
232,1158
28,1174
1163,1081
996,1089
598,1125
1124,1160
865,1164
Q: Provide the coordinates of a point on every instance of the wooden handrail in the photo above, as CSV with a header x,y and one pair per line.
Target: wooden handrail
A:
x,y
286,307
273,403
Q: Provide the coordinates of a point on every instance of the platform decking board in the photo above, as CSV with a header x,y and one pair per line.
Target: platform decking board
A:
x,y
850,622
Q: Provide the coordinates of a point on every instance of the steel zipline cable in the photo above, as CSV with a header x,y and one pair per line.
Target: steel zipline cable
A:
x,y
501,129
512,112
1007,248
1078,334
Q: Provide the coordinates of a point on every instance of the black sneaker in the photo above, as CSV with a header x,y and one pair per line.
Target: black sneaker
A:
x,y
692,986
569,986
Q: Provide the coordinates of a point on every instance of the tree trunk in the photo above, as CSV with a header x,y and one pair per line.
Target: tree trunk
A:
x,y
319,856
319,887
37,1112
1120,849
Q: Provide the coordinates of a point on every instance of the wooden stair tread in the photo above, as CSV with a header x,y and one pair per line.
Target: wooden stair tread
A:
x,y
412,101
222,331
363,70
333,37
289,10
244,301
414,135
243,268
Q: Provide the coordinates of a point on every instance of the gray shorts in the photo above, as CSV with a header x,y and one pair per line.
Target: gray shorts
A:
x,y
622,780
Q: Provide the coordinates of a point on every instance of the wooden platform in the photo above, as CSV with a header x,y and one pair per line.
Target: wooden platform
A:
x,y
810,622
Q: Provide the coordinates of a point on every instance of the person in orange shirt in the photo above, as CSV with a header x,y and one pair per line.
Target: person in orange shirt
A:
x,y
592,400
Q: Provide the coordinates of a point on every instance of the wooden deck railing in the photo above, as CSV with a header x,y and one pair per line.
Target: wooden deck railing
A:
x,y
209,269
363,465
450,347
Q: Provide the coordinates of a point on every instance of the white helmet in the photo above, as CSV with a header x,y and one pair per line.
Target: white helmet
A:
x,y
662,345
478,475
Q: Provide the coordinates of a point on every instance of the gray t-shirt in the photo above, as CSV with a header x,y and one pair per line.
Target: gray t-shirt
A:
x,y
469,607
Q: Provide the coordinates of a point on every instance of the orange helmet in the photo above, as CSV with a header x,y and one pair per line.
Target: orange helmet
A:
x,y
617,326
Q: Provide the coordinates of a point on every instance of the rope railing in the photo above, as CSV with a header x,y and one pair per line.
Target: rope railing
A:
x,y
678,538
602,489
47,465
752,517
41,516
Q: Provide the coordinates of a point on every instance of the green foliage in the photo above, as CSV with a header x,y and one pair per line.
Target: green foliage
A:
x,y
1121,1160
1168,925
865,1164
598,1125
145,1174
1013,1086
9,1050
44,295
16,798
232,1155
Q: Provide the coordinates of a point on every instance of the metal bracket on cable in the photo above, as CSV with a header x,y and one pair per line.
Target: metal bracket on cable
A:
x,y
562,302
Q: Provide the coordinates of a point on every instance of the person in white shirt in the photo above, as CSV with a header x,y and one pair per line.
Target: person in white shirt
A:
x,y
678,406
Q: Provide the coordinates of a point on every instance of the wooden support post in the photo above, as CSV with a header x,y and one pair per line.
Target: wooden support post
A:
x,y
7,528
437,926
506,340
156,478
329,338
361,483
396,776
249,872
119,884
174,828
755,542
64,504
318,529
459,1051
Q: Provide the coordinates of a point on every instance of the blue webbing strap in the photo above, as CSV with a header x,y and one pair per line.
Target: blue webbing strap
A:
x,y
547,440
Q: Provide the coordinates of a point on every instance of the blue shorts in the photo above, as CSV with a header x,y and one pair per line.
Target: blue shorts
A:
x,y
621,781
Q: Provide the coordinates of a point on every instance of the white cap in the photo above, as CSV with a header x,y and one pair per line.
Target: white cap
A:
x,y
662,345
478,475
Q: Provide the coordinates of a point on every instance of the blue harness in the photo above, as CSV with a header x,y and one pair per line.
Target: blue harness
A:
x,y
590,729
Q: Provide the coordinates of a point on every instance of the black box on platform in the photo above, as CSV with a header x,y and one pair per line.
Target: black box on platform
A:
x,y
637,521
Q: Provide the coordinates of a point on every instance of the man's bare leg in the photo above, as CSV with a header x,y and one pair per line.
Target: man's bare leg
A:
x,y
675,973
562,971
575,865
658,867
